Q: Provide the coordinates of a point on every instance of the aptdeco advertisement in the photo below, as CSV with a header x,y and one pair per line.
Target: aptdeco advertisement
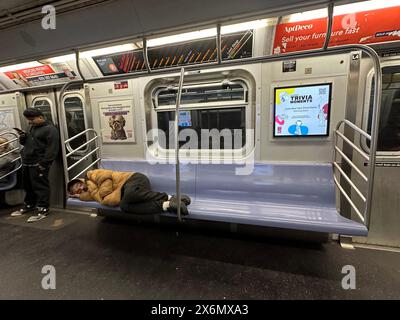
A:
x,y
357,28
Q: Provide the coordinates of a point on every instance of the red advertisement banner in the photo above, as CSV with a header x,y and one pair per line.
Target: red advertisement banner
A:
x,y
30,72
356,28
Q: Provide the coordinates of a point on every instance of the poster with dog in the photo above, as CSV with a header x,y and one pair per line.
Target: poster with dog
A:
x,y
116,120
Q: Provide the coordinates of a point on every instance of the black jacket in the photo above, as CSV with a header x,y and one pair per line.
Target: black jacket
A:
x,y
41,144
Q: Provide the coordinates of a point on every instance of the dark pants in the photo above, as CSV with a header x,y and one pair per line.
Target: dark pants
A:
x,y
36,185
138,198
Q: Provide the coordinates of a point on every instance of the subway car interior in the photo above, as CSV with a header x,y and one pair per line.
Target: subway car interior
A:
x,y
279,119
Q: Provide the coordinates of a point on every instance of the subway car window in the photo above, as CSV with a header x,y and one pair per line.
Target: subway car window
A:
x,y
74,116
203,94
212,107
232,119
45,107
389,126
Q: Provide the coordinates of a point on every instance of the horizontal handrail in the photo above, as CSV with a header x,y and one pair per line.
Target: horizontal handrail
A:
x,y
367,180
7,142
84,158
349,199
14,170
95,151
353,126
362,153
14,150
352,164
7,153
97,160
79,134
83,145
349,181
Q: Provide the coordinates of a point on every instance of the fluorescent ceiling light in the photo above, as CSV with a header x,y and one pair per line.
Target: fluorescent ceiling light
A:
x,y
244,26
308,15
344,9
183,37
108,50
59,59
365,6
20,66
212,32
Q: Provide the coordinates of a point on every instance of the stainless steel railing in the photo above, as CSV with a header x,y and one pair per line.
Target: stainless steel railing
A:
x,y
364,213
16,149
96,151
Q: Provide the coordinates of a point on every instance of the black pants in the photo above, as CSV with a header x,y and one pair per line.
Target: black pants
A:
x,y
36,185
138,198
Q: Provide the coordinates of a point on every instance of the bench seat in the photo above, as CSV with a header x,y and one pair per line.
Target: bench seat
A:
x,y
290,196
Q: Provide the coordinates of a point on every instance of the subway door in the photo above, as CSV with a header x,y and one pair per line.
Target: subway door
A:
x,y
385,211
46,101
10,106
76,119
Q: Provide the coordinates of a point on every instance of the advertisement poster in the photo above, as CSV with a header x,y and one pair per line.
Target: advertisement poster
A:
x,y
116,121
7,120
357,28
302,111
185,119
45,74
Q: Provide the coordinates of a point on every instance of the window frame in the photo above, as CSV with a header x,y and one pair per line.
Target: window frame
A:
x,y
381,155
223,154
65,128
52,111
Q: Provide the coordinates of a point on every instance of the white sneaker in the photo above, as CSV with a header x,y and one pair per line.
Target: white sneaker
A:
x,y
38,217
22,211
43,212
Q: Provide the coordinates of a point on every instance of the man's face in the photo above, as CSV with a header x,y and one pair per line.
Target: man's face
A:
x,y
77,188
34,121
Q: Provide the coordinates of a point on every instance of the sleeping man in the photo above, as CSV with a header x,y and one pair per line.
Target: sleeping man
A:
x,y
130,191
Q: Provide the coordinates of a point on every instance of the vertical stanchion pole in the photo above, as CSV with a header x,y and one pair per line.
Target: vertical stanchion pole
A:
x,y
177,168
331,7
219,54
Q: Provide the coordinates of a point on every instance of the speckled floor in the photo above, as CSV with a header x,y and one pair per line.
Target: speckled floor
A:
x,y
96,258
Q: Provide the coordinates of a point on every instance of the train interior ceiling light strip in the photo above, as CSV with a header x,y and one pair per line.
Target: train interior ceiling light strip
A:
x,y
20,66
206,33
344,9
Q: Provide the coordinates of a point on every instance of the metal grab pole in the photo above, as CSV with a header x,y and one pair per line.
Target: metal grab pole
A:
x,y
374,132
219,53
145,55
177,168
331,7
62,121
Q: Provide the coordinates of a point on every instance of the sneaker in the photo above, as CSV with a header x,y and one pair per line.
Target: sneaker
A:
x,y
173,207
184,198
43,212
20,212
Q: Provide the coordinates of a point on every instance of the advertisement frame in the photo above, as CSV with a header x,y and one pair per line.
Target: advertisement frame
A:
x,y
327,134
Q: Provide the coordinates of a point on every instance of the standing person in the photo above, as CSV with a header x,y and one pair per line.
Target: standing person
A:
x,y
40,149
131,191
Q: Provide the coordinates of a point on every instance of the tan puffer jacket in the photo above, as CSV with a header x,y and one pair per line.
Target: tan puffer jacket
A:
x,y
105,186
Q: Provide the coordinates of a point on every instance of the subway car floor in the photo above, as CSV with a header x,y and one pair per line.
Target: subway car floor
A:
x,y
98,258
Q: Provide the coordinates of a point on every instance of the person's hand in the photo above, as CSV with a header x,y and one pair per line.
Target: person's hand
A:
x,y
41,168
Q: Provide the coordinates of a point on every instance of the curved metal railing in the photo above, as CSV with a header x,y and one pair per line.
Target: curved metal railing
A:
x,y
17,148
96,151
368,179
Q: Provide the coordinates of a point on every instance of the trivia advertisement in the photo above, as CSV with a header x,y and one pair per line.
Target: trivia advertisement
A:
x,y
302,110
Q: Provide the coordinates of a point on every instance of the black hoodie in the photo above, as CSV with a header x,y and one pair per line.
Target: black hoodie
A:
x,y
41,145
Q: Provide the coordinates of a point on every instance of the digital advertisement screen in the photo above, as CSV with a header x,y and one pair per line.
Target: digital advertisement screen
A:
x,y
302,111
